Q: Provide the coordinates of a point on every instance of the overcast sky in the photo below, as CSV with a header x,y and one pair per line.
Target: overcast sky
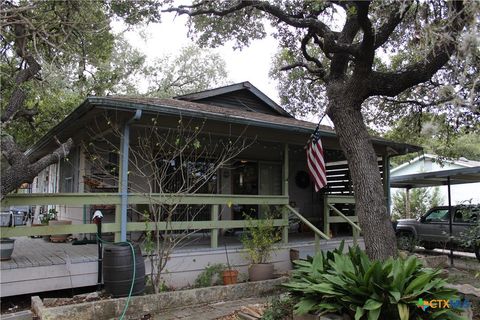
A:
x,y
250,64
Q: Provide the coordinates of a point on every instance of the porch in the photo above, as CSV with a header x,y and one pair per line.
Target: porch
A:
x,y
38,265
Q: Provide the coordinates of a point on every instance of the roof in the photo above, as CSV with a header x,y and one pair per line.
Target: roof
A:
x,y
242,86
463,162
199,110
437,178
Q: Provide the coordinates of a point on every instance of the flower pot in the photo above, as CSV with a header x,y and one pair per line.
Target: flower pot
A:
x,y
59,237
230,276
260,271
6,248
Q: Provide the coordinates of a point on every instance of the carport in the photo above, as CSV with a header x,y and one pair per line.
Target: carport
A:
x,y
438,178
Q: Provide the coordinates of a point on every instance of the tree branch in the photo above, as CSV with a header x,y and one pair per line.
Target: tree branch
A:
x,y
21,170
320,73
396,16
364,63
392,83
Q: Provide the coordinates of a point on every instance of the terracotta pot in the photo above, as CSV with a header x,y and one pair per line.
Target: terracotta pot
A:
x,y
59,237
6,248
260,271
230,276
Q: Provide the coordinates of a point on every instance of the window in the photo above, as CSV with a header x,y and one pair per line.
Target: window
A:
x,y
439,215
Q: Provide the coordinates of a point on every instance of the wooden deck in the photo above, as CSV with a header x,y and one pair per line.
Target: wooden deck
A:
x,y
38,265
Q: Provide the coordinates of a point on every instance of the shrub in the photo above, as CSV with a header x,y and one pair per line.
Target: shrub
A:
x,y
260,240
210,276
352,283
279,308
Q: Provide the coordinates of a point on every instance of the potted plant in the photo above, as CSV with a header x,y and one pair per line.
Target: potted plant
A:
x,y
229,275
6,248
6,244
52,220
259,242
46,217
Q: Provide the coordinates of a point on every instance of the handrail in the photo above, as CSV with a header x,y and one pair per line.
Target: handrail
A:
x,y
131,226
308,223
139,198
350,222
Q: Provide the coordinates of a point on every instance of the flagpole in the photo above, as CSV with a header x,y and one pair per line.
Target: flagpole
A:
x,y
317,128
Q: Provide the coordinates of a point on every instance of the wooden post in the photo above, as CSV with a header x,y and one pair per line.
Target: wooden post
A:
x,y
355,236
317,243
214,231
285,213
326,215
285,193
285,170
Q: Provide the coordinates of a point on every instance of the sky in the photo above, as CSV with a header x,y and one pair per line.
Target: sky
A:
x,y
249,64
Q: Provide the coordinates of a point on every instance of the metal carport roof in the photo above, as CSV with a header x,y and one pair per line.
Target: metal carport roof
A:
x,y
436,178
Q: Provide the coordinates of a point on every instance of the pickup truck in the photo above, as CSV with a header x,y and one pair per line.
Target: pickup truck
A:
x,y
432,229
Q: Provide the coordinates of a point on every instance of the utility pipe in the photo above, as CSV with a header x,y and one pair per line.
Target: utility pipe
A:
x,y
124,173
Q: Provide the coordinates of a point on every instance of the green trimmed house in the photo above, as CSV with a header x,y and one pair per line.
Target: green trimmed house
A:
x,y
266,171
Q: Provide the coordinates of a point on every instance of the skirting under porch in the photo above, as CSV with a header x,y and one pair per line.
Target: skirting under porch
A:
x,y
38,266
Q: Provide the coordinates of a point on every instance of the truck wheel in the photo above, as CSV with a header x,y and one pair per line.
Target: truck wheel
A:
x,y
405,241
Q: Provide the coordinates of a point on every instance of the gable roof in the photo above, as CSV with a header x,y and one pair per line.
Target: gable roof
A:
x,y
462,162
217,96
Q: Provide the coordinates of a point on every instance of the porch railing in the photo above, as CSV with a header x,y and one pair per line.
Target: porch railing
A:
x,y
214,224
329,204
318,234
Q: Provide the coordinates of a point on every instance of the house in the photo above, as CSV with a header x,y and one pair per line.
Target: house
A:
x,y
460,193
267,171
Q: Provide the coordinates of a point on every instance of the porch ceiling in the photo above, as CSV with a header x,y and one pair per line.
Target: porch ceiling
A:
x,y
220,121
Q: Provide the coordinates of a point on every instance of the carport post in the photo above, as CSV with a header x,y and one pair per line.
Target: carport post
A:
x,y
450,221
407,202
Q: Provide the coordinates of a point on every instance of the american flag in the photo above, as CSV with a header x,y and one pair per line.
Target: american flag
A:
x,y
315,161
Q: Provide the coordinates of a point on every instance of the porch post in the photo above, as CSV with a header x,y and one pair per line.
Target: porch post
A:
x,y
285,170
214,231
121,213
285,212
118,208
326,216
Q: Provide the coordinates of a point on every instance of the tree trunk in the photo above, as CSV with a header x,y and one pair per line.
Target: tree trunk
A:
x,y
370,203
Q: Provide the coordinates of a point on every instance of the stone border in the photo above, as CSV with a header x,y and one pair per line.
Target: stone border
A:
x,y
154,303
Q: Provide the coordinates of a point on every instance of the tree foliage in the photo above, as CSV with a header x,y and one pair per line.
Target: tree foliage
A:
x,y
419,202
54,53
193,69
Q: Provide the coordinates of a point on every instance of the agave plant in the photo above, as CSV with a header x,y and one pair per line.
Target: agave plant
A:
x,y
352,283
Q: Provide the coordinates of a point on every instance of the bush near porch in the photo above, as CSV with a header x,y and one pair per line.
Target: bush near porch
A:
x,y
352,284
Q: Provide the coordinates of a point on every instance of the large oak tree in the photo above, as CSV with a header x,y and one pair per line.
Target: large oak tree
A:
x,y
55,53
335,44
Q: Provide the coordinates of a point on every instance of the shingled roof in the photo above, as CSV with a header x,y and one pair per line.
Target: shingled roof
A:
x,y
209,111
177,107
